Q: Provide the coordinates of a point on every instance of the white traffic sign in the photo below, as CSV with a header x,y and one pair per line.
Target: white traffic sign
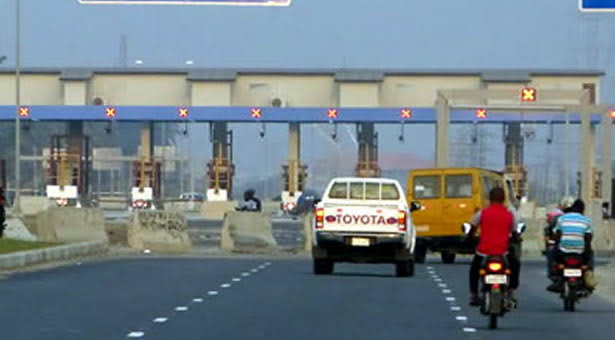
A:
x,y
190,2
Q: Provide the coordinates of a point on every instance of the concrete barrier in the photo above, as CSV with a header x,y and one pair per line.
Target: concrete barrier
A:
x,y
183,206
216,210
59,253
159,231
16,230
247,232
32,205
69,224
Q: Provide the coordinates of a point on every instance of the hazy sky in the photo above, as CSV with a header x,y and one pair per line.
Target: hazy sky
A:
x,y
449,34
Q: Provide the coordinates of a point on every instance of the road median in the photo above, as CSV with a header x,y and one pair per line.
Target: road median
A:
x,y
52,254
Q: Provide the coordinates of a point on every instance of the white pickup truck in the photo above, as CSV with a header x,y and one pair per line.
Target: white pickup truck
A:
x,y
363,220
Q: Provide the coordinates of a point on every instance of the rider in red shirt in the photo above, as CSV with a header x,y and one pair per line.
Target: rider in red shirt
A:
x,y
497,224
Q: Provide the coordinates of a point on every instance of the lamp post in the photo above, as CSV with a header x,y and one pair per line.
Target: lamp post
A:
x,y
17,103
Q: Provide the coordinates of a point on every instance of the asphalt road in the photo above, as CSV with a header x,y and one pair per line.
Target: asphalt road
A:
x,y
185,298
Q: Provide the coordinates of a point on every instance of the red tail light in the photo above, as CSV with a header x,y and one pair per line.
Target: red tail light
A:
x,y
495,266
572,261
401,220
320,218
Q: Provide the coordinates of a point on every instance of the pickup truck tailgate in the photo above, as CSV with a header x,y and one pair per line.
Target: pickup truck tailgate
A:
x,y
361,218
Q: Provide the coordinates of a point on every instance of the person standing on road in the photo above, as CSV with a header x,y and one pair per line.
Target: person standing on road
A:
x,y
497,224
2,212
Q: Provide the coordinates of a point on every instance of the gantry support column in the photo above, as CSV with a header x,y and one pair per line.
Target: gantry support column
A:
x,y
294,173
513,158
442,131
586,158
607,160
76,162
367,163
358,89
213,89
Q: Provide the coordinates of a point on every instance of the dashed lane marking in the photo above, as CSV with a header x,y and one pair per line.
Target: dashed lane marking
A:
x,y
442,285
245,274
469,330
160,320
450,298
255,270
212,292
181,309
455,308
225,285
236,279
136,334
446,291
461,318
197,300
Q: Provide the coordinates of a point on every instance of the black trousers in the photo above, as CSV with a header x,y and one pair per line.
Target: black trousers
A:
x,y
477,262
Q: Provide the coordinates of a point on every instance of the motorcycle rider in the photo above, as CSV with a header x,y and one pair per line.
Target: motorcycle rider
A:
x,y
250,202
552,217
573,235
497,224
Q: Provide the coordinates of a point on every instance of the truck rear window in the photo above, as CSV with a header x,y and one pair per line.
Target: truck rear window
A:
x,y
364,191
426,187
459,186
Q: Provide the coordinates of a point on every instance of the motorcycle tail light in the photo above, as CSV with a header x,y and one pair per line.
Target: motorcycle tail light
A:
x,y
495,266
573,261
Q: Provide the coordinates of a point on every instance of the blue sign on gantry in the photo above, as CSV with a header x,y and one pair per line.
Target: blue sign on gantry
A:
x,y
597,5
189,2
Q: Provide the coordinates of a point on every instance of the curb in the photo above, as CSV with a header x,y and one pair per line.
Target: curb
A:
x,y
59,253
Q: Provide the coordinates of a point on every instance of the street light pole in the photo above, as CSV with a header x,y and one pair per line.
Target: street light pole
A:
x,y
17,103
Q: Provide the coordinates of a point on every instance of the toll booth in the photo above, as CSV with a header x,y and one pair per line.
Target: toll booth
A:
x,y
146,183
220,170
292,186
68,169
518,176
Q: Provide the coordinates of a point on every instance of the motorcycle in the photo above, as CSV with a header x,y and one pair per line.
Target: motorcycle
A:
x,y
495,275
572,271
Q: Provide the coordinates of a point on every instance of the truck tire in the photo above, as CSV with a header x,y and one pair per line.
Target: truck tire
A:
x,y
420,253
447,257
323,266
404,268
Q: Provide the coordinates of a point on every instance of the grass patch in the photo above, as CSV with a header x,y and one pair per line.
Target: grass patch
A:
x,y
8,246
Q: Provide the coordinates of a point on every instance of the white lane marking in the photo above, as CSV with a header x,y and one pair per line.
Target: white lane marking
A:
x,y
225,285
261,267
461,318
245,274
469,330
197,300
160,320
450,298
455,308
446,291
429,267
181,308
442,285
255,270
267,263
438,280
212,292
136,334
236,279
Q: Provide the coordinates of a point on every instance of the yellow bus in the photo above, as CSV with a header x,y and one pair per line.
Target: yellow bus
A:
x,y
450,197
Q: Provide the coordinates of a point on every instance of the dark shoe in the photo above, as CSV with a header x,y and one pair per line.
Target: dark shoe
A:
x,y
474,300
